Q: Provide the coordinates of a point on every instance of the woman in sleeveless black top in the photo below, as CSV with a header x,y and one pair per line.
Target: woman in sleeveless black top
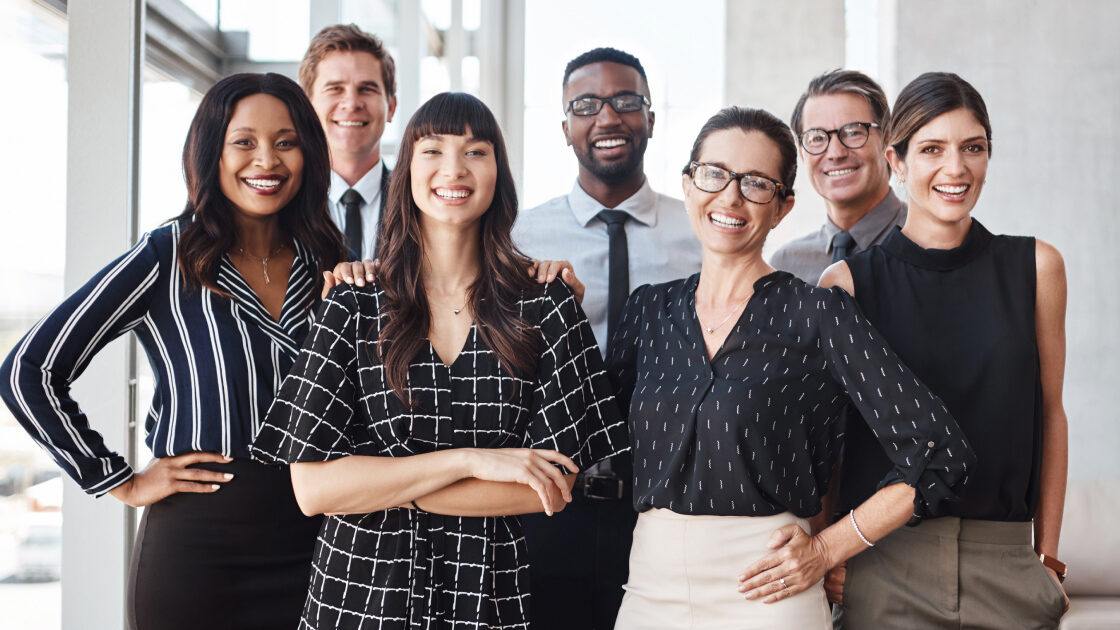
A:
x,y
980,319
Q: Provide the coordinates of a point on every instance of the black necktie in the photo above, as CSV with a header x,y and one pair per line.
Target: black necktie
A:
x,y
352,201
619,271
842,244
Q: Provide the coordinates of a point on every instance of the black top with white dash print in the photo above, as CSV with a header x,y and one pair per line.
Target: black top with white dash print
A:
x,y
777,388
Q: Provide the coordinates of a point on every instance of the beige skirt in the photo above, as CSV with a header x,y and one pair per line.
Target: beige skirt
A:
x,y
684,573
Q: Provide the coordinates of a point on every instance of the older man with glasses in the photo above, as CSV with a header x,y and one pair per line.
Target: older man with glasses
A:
x,y
619,234
840,121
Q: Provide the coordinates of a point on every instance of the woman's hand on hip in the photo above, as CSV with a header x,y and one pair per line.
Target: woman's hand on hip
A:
x,y
165,476
797,562
547,270
1058,581
356,272
532,467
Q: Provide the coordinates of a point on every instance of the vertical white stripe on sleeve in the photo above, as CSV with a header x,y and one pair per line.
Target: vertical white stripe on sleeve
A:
x,y
221,384
188,350
250,371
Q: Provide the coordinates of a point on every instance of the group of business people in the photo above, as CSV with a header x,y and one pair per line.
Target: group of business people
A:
x,y
452,438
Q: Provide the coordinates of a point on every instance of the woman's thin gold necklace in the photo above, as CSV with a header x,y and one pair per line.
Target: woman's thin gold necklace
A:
x,y
262,261
711,329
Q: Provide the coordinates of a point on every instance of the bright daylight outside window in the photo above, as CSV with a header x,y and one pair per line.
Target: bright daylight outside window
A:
x,y
33,173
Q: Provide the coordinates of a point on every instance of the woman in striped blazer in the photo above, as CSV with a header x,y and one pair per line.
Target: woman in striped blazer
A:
x,y
220,298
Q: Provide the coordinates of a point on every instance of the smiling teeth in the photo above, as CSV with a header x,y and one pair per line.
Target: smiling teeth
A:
x,y
350,123
951,190
263,183
843,171
452,194
726,221
610,143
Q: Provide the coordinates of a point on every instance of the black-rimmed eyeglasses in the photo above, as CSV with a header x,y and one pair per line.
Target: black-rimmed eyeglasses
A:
x,y
713,179
852,135
620,103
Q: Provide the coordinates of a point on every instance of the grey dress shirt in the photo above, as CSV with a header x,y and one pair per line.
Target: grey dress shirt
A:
x,y
369,187
808,256
659,239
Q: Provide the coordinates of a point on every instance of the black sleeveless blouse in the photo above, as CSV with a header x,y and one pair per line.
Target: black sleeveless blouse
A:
x,y
963,319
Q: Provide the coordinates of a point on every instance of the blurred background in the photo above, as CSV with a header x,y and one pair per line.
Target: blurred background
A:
x,y
98,97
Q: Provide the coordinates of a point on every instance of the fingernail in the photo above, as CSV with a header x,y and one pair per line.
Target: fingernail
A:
x,y
369,276
215,486
742,577
551,277
228,476
228,458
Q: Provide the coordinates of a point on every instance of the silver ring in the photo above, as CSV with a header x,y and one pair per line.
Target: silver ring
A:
x,y
782,580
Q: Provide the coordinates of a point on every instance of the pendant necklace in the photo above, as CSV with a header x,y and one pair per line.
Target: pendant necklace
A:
x,y
262,261
712,329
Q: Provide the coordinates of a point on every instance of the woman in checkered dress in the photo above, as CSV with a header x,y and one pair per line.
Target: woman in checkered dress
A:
x,y
430,408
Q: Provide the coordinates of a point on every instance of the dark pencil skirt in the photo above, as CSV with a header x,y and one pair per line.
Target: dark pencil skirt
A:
x,y
236,558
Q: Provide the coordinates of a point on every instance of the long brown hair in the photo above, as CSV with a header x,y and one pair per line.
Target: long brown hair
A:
x,y
213,231
503,276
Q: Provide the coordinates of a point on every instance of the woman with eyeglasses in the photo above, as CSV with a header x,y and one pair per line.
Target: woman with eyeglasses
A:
x,y
432,406
735,380
982,319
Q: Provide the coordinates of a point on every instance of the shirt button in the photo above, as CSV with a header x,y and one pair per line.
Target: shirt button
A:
x,y
930,444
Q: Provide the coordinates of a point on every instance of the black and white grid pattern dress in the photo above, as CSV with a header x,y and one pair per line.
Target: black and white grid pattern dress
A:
x,y
755,430
401,568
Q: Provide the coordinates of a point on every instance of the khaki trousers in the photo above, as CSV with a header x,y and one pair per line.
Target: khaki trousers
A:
x,y
950,573
684,573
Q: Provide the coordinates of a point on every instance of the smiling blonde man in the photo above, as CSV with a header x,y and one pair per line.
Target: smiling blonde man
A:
x,y
350,78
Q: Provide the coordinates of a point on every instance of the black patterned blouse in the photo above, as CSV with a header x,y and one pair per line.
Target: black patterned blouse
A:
x,y
401,568
755,430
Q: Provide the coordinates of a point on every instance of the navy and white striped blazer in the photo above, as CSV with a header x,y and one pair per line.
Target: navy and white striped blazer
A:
x,y
218,362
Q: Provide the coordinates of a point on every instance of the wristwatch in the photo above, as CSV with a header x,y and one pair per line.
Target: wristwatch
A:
x,y
1059,567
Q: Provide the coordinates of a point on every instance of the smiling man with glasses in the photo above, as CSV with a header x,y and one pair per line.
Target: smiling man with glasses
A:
x,y
619,234
839,122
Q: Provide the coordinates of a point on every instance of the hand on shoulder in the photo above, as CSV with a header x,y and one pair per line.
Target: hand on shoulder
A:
x,y
838,274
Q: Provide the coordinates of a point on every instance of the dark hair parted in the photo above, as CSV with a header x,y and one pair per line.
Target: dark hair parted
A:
x,y
752,119
600,55
929,96
502,279
845,82
346,38
209,227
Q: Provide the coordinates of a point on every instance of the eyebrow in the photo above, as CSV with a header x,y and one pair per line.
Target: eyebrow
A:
x,y
590,95
941,141
251,130
376,84
436,137
755,172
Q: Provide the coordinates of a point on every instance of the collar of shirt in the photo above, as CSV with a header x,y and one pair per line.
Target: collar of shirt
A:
x,y
642,205
369,186
871,226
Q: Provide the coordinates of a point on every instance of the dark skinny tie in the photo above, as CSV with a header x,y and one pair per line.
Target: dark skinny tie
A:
x,y
352,201
619,271
842,244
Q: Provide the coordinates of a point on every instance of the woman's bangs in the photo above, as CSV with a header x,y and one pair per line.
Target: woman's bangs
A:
x,y
451,114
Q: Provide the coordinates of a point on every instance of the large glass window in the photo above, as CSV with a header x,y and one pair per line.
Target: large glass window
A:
x,y
32,253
